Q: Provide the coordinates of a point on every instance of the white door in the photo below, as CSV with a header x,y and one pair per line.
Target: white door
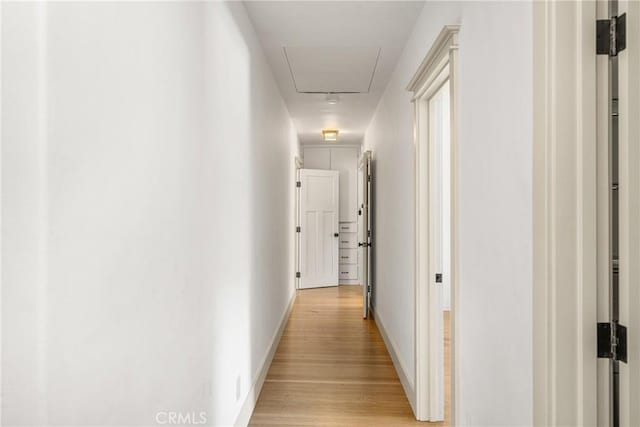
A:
x,y
620,169
319,207
365,232
629,200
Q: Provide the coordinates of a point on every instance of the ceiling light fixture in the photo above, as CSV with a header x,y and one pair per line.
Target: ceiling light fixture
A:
x,y
330,135
332,98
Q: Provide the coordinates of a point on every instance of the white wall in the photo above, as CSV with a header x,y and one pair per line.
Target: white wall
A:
x,y
147,246
495,160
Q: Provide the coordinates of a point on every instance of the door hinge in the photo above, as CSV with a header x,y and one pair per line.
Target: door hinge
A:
x,y
298,184
369,178
612,341
297,274
297,229
611,35
438,277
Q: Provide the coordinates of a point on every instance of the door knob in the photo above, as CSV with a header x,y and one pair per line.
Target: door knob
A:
x,y
336,235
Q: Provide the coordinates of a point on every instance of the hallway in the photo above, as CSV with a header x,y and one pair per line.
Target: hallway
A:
x,y
159,223
332,368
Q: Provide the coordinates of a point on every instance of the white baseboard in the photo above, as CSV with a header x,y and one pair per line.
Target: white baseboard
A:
x,y
407,384
252,398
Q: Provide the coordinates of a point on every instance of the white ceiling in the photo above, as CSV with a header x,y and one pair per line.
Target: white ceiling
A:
x,y
322,46
348,69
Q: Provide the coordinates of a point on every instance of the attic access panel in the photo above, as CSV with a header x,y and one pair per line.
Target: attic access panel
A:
x,y
342,69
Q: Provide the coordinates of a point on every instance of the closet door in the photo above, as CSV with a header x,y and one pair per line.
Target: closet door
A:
x,y
319,228
345,161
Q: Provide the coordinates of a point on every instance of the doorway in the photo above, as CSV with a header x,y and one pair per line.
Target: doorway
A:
x,y
434,89
440,239
347,249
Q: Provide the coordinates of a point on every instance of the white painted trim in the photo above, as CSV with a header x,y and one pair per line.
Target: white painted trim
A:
x,y
363,157
446,40
252,398
439,65
401,370
564,214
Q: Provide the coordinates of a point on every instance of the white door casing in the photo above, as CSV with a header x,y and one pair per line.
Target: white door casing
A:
x,y
319,208
438,67
571,214
297,166
564,214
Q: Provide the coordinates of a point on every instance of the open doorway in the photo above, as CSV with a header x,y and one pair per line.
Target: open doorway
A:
x,y
329,217
440,229
434,101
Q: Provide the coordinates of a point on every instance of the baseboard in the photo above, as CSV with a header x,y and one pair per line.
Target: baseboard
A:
x,y
252,398
407,384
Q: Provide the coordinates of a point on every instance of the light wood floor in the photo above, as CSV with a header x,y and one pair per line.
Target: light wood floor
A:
x,y
332,368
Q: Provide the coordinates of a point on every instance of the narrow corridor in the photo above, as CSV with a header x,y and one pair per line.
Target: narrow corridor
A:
x,y
332,368
161,249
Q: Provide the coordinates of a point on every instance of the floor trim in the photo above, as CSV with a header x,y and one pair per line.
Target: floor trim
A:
x,y
400,369
252,398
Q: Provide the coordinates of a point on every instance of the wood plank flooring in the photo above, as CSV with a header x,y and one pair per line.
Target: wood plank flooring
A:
x,y
332,368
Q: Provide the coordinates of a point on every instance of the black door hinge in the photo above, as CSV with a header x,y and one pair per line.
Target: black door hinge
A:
x,y
438,277
612,341
297,274
298,184
611,35
298,229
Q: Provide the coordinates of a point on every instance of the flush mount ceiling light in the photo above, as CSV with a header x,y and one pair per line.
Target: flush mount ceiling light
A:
x,y
332,98
330,135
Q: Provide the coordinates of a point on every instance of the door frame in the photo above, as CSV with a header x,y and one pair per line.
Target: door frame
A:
x,y
565,296
297,165
628,248
440,64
